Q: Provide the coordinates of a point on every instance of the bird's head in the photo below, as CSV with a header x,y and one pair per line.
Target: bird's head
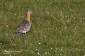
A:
x,y
29,12
28,15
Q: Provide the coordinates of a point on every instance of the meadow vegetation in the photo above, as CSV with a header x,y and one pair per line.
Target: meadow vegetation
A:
x,y
58,28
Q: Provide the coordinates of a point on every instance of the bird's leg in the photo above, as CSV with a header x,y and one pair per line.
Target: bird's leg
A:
x,y
23,37
24,40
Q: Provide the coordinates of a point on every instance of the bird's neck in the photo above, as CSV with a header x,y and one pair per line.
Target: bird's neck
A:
x,y
28,17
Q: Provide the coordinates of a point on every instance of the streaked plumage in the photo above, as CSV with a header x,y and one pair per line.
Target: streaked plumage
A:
x,y
25,25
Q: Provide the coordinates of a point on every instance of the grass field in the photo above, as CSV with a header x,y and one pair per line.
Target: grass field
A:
x,y
58,28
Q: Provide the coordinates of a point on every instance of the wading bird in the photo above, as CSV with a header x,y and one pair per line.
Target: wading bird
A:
x,y
25,25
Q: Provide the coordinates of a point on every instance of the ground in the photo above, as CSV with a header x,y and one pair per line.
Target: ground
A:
x,y
58,28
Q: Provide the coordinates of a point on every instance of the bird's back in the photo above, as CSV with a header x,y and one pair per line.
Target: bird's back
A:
x,y
23,27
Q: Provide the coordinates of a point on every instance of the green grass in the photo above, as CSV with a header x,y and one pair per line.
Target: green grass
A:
x,y
58,28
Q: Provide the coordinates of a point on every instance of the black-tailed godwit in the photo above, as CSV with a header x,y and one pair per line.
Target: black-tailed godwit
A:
x,y
25,25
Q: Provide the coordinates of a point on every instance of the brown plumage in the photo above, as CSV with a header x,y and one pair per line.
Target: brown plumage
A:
x,y
25,25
